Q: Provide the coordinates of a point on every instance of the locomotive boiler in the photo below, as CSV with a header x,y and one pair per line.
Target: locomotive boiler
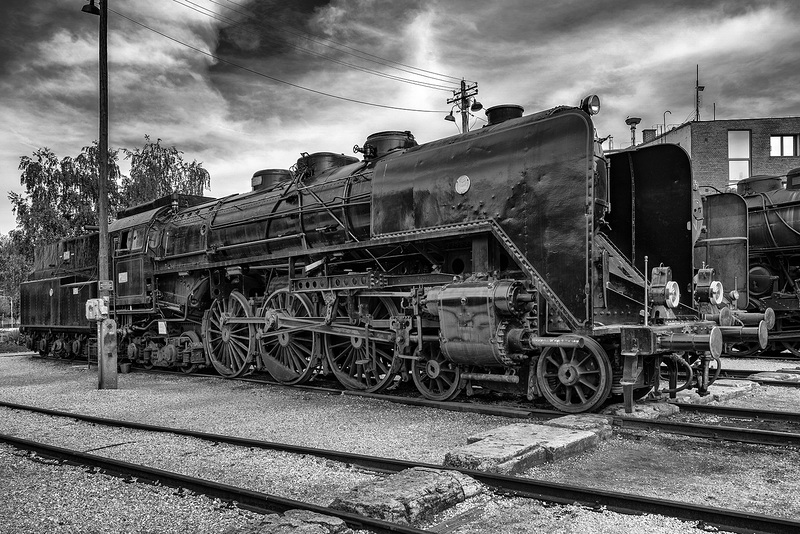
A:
x,y
517,257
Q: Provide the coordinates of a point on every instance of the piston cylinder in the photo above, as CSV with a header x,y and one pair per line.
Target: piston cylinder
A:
x,y
746,334
712,341
475,318
750,319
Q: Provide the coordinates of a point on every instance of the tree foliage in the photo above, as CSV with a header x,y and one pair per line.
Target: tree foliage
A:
x,y
158,170
14,270
60,196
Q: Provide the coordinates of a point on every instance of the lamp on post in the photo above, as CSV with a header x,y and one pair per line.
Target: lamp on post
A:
x,y
462,99
664,131
632,122
106,327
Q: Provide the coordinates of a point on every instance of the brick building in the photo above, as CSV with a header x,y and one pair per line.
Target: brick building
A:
x,y
725,151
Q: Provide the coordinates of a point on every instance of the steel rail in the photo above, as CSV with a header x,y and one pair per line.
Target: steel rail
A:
x,y
252,500
716,432
535,413
742,413
767,382
724,433
745,373
525,487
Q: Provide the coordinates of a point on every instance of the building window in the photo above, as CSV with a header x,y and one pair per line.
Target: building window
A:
x,y
738,155
783,145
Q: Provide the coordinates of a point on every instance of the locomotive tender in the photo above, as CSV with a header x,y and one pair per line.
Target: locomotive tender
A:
x,y
517,257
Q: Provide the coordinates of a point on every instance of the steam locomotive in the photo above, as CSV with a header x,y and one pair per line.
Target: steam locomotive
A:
x,y
517,257
773,271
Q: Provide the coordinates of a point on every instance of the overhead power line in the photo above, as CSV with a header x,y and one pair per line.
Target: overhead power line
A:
x,y
253,71
228,20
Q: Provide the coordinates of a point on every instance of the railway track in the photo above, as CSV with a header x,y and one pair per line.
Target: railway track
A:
x,y
747,374
716,432
256,501
266,503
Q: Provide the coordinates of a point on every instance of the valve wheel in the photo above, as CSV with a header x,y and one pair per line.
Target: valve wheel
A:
x,y
575,379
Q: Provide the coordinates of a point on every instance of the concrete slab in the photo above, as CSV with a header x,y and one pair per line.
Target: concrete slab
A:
x,y
728,389
409,496
721,390
296,522
515,448
590,422
644,410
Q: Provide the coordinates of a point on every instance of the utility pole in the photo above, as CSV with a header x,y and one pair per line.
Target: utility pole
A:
x,y
461,98
697,90
106,326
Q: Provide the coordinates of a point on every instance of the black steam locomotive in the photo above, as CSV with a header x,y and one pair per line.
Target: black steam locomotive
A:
x,y
773,273
517,257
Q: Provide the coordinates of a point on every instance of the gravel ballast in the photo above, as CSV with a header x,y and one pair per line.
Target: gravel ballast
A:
x,y
307,418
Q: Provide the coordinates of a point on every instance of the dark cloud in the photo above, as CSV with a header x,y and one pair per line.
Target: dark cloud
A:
x,y
640,57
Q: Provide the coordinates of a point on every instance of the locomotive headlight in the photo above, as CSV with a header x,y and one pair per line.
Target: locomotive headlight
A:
x,y
591,104
716,293
665,294
673,294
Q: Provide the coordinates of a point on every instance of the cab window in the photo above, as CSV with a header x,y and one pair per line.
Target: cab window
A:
x,y
131,240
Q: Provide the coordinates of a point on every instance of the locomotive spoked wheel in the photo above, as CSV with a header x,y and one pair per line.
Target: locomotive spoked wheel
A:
x,y
289,356
435,377
358,362
575,379
229,345
186,338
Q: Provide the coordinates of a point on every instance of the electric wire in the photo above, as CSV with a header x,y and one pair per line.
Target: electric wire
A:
x,y
278,80
227,20
360,53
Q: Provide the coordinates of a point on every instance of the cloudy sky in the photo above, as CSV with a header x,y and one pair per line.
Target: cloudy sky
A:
x,y
206,75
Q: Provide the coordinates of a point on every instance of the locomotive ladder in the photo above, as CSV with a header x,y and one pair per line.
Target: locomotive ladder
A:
x,y
541,286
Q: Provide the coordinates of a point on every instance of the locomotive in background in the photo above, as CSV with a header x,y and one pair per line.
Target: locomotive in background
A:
x,y
518,257
774,256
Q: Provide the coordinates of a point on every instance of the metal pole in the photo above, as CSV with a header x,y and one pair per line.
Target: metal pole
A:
x,y
106,356
697,95
464,112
